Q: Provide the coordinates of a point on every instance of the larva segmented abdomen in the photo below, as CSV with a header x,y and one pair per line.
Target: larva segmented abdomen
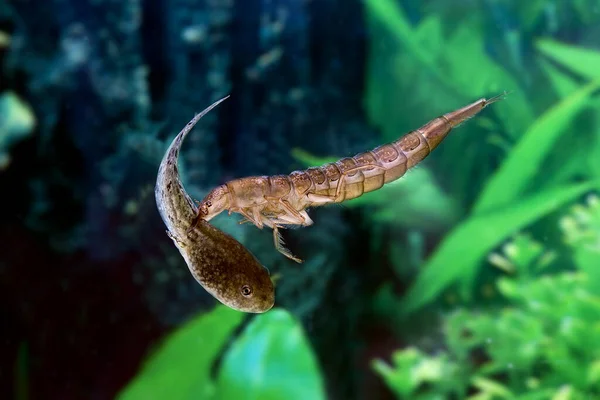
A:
x,y
369,171
395,158
365,172
388,163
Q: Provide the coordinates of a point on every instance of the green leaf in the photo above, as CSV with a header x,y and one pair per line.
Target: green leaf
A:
x,y
459,255
456,66
400,377
271,360
588,259
584,62
310,160
524,161
429,33
492,388
180,367
411,371
388,13
529,13
581,230
473,79
593,156
562,83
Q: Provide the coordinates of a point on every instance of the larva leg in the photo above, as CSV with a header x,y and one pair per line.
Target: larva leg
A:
x,y
269,221
307,220
245,214
243,221
290,218
272,223
286,220
257,217
287,207
320,198
280,245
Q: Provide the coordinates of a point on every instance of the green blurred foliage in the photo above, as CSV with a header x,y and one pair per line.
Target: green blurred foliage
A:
x,y
16,122
542,343
545,341
523,164
270,360
180,367
461,252
522,257
507,168
581,230
519,165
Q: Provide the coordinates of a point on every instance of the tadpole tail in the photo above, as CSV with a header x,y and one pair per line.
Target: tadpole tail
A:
x,y
175,206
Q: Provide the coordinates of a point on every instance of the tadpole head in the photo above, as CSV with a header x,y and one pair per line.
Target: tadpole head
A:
x,y
251,292
228,270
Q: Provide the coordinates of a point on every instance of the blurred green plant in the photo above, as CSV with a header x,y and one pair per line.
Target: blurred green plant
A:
x,y
428,67
544,343
16,122
432,70
461,253
270,360
523,257
411,369
541,341
581,230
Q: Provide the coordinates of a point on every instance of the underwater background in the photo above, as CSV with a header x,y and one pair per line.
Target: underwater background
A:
x,y
475,276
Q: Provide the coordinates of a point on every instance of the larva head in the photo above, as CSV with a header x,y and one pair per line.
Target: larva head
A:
x,y
215,203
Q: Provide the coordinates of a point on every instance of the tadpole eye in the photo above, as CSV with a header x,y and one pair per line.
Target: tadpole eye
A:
x,y
208,203
246,290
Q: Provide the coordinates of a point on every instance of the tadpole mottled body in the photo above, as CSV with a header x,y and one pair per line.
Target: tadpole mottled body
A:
x,y
222,265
